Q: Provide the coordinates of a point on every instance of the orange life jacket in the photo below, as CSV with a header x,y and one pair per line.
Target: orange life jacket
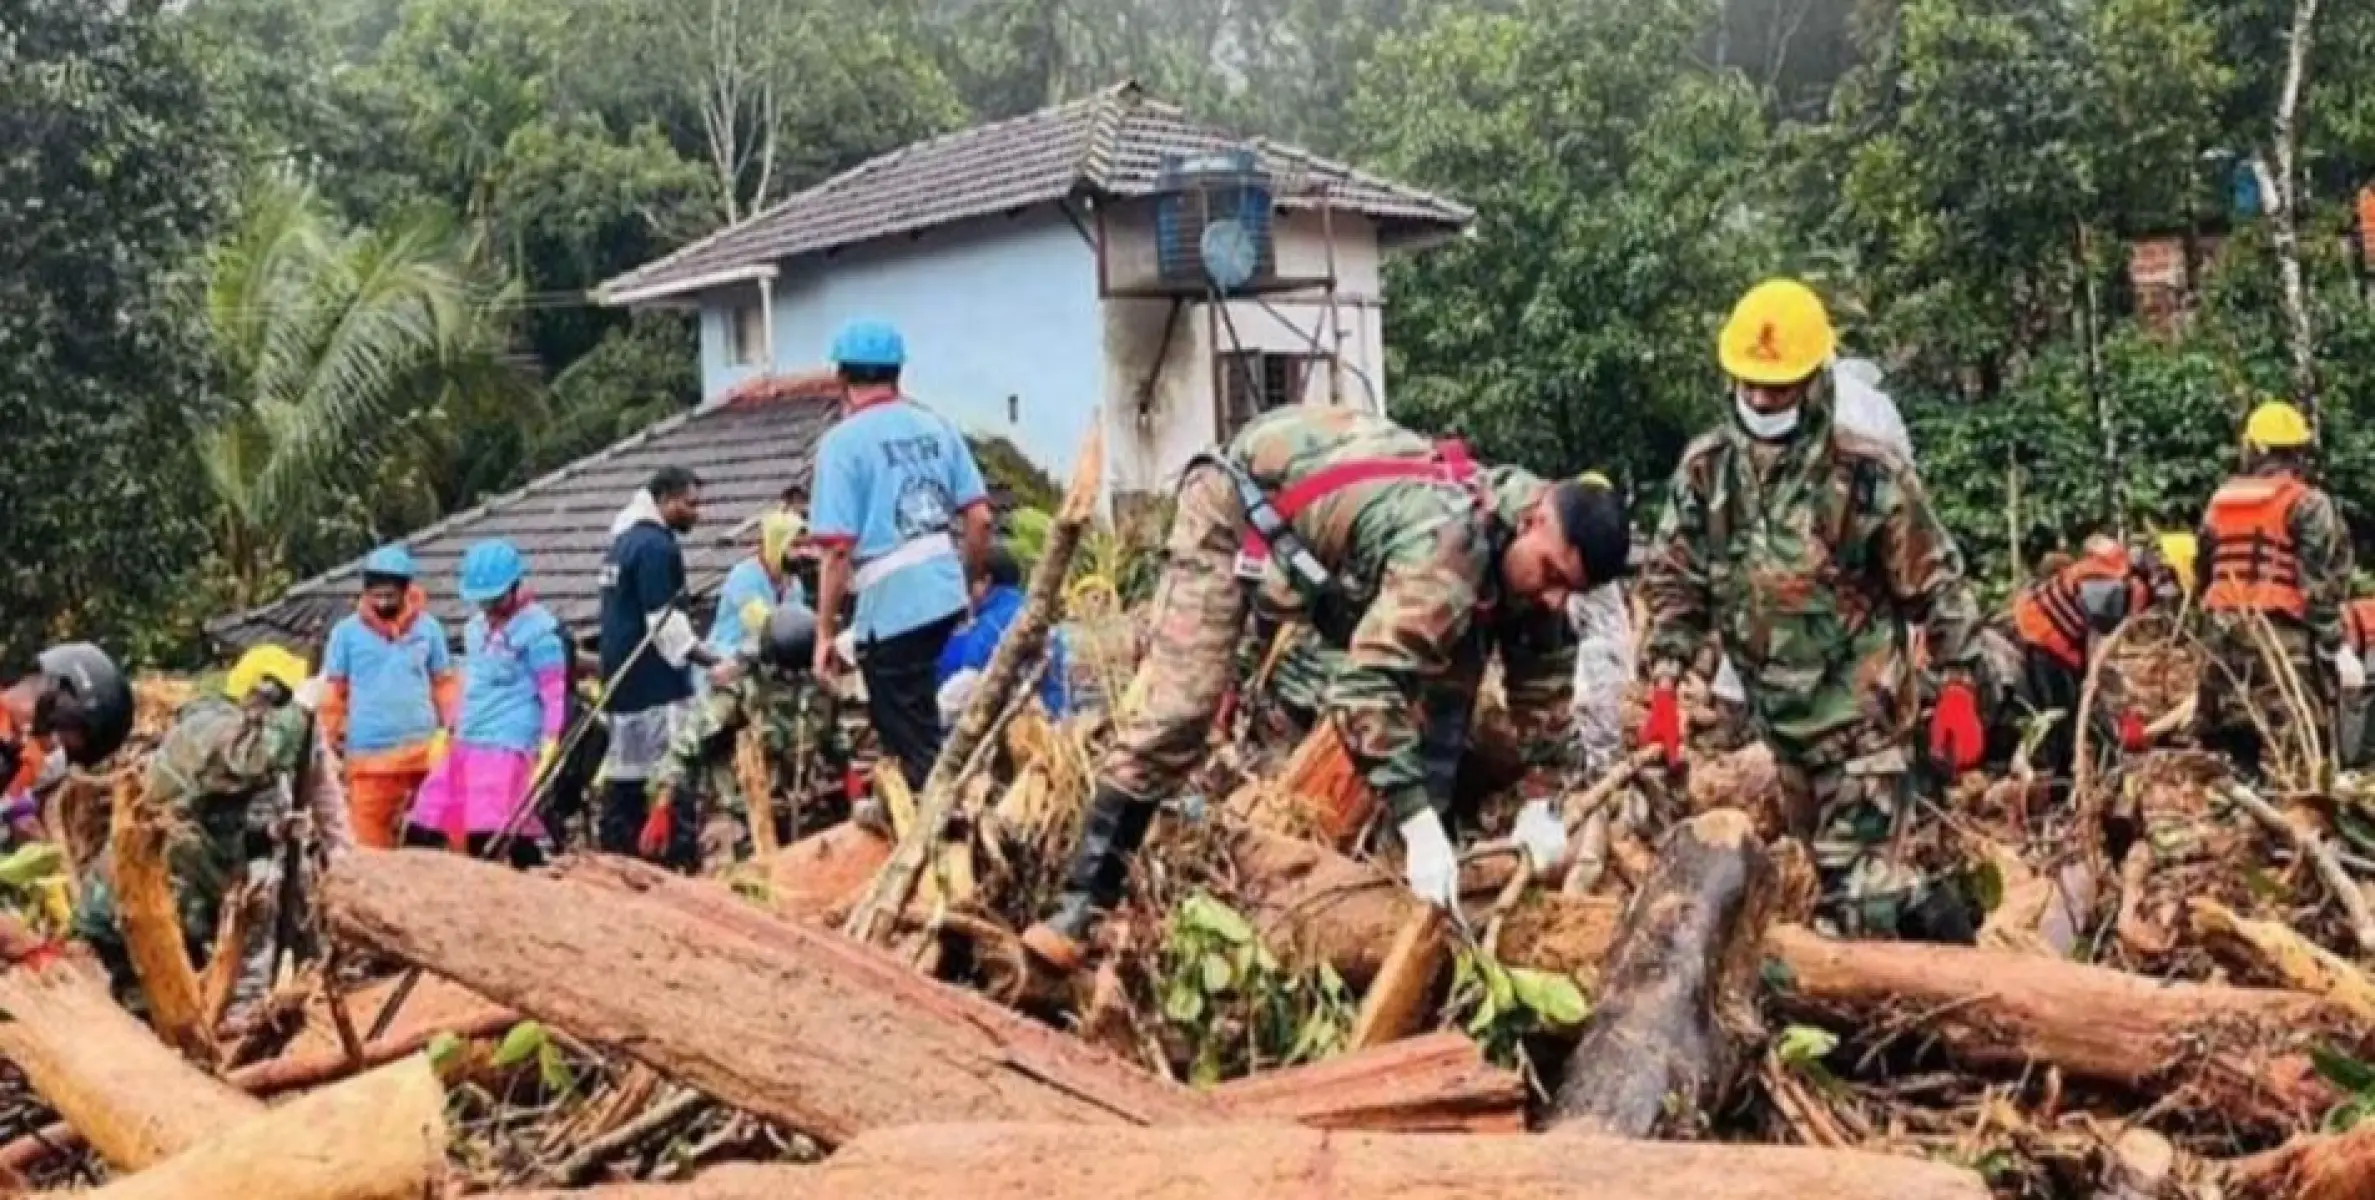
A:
x,y
2358,623
2050,615
2254,565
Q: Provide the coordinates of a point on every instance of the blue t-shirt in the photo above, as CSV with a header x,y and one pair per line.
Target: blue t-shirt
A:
x,y
747,582
889,474
500,704
642,574
972,646
390,701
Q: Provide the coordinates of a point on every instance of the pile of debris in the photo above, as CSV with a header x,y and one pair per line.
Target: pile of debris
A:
x,y
2166,1001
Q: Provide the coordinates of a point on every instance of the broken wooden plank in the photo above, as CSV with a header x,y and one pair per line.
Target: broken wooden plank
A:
x,y
1663,1043
1438,1083
796,1025
379,1136
1397,1001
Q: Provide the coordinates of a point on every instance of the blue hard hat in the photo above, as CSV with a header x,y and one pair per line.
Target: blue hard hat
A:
x,y
869,344
395,562
490,569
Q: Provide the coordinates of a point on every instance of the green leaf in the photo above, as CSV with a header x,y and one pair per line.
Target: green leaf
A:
x,y
444,1050
1778,976
1183,1004
1499,991
1987,886
29,865
521,1044
2342,1070
1211,916
1217,973
1554,998
1799,1045
554,1069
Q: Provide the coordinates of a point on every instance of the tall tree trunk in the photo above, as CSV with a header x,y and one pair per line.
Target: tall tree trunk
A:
x,y
2282,187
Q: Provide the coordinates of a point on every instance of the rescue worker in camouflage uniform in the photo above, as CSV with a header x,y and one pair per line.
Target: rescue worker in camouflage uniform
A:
x,y
2273,572
796,717
2037,655
1406,554
1812,553
223,781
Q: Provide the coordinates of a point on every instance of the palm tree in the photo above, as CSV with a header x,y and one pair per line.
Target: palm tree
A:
x,y
355,361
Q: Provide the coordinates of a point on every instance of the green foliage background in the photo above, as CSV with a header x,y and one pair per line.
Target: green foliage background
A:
x,y
1961,177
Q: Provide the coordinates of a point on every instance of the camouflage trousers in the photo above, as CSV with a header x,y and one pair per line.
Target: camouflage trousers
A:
x,y
1198,614
207,872
2242,707
797,725
1848,798
1297,689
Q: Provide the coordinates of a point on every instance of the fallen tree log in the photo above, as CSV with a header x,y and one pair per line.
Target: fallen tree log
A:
x,y
309,1063
380,1136
135,1099
796,1025
1056,1163
2282,954
1318,905
2310,1167
2244,1049
821,877
1438,1083
1662,1045
151,925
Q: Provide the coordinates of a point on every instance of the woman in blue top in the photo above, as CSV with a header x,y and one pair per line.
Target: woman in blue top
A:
x,y
514,701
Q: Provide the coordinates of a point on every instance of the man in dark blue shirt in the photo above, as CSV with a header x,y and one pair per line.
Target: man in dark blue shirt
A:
x,y
649,650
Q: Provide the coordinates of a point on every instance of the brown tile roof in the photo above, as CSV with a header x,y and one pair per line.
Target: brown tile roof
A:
x,y
1109,144
747,447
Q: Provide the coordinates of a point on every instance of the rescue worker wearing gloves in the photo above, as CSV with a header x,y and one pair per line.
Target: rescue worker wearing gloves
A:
x,y
1812,554
795,717
223,782
73,708
1405,553
2039,656
901,517
514,704
390,695
649,652
2273,571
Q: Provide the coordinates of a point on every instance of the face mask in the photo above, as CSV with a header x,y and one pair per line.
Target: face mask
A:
x,y
388,610
1766,427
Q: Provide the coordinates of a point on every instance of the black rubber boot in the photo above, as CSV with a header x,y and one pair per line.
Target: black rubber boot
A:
x,y
1116,827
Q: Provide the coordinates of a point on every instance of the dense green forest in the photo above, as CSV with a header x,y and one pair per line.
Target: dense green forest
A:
x,y
279,278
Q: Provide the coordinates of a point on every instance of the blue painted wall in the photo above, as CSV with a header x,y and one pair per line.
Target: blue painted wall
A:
x,y
991,308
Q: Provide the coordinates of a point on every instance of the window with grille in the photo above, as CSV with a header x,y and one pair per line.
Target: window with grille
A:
x,y
1253,383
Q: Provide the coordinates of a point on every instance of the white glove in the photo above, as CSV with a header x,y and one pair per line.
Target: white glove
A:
x,y
955,695
847,646
1541,835
309,693
2350,670
1432,869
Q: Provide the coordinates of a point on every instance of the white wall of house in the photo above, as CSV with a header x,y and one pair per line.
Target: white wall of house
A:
x,y
1161,417
1000,317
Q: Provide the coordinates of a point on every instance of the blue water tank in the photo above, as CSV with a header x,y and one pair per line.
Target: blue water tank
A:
x,y
1197,191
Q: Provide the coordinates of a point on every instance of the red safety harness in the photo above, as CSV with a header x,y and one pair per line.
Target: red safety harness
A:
x,y
1269,520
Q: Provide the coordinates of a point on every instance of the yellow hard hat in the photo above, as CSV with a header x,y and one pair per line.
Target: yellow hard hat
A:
x,y
778,530
1594,479
1779,333
264,662
2276,425
2179,550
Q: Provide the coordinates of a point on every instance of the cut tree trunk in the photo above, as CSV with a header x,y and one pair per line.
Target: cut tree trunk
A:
x,y
1663,1042
1040,1162
151,924
2318,1167
819,878
131,1096
1396,1003
1320,906
2244,1049
1438,1083
377,1137
1024,641
793,1024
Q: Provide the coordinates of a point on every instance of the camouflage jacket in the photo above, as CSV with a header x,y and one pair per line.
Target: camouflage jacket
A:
x,y
1811,572
2321,541
1415,602
222,769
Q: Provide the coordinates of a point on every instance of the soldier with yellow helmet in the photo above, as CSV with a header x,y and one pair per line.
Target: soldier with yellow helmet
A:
x,y
1811,553
2272,573
224,780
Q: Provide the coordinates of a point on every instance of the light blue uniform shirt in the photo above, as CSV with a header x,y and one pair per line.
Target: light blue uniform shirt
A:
x,y
887,474
507,675
390,683
747,582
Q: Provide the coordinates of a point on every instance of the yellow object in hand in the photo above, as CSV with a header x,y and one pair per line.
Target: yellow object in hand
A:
x,y
441,744
545,757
